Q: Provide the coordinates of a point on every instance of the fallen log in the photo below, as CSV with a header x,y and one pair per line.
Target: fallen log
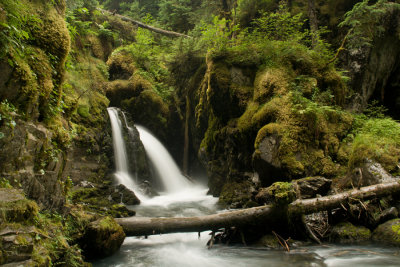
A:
x,y
143,226
145,26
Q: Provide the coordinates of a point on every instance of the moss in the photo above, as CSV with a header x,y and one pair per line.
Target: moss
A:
x,y
269,129
235,194
348,233
102,238
83,110
388,232
283,193
269,82
245,121
19,211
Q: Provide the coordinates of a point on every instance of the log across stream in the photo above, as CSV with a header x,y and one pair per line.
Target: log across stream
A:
x,y
143,226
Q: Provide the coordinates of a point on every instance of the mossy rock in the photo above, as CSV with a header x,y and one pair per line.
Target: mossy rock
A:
x,y
102,238
346,232
15,207
388,232
279,193
236,195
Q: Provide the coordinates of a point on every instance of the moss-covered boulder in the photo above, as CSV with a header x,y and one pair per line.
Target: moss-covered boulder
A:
x,y
102,238
14,207
388,232
237,195
348,233
279,193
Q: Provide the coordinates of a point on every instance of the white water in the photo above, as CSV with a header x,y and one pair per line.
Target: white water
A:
x,y
121,160
164,165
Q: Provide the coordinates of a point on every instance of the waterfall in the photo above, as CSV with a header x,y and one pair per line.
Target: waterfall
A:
x,y
121,159
164,165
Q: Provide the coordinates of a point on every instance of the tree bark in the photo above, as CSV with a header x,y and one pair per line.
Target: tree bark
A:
x,y
312,15
137,226
145,26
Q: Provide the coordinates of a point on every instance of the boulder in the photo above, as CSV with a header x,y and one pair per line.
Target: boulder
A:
x,y
370,173
102,238
266,161
388,232
122,194
346,233
279,193
309,187
15,207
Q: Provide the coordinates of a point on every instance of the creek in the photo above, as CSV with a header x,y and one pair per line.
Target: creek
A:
x,y
182,199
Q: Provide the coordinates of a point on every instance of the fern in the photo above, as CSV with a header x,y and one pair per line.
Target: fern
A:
x,y
365,21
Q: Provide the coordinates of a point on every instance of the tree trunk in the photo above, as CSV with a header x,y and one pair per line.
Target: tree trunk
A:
x,y
312,15
137,226
145,26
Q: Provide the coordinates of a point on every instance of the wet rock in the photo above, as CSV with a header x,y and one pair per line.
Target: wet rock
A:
x,y
102,238
147,189
388,232
124,195
309,187
346,232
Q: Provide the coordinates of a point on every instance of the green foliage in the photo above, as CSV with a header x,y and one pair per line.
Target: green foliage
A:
x,y
217,36
281,25
376,139
4,183
6,115
150,59
366,21
375,110
14,28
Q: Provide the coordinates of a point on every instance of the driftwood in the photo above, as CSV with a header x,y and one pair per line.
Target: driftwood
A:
x,y
140,226
145,26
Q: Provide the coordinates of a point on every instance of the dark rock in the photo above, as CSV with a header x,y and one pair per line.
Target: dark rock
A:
x,y
102,238
266,162
388,232
388,214
309,187
346,232
124,195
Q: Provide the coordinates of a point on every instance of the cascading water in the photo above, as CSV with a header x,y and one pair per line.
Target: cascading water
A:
x,y
186,249
164,165
121,160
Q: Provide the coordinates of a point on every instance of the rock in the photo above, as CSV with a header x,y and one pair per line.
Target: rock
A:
x,y
387,214
15,207
102,238
124,195
265,160
388,232
309,187
268,241
346,232
236,195
370,173
279,193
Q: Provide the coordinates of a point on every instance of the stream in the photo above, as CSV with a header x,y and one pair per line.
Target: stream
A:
x,y
183,199
187,249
